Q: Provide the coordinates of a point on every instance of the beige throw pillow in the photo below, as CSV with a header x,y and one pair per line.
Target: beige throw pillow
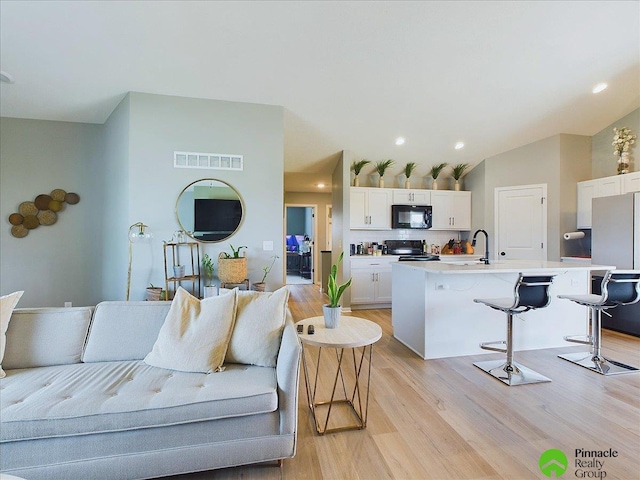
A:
x,y
258,330
7,304
195,334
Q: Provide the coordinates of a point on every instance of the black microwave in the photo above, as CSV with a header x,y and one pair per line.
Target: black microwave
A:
x,y
411,216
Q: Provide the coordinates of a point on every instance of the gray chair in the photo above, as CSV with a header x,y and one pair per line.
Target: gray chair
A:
x,y
619,287
531,292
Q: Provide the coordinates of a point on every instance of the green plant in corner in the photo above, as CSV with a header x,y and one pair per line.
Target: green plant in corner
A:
x,y
436,169
458,170
267,269
409,168
383,165
334,292
207,265
235,252
358,165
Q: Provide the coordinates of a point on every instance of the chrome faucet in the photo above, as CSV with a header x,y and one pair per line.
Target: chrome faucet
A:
x,y
486,245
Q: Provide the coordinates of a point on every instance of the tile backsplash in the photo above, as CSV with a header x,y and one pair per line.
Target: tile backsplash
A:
x,y
429,236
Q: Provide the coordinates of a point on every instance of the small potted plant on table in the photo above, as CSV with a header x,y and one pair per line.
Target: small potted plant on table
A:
x,y
333,309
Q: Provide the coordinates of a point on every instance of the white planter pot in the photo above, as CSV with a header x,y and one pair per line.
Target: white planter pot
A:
x,y
331,316
210,291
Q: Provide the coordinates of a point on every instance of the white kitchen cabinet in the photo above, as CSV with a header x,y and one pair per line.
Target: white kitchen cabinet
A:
x,y
411,197
451,210
371,282
370,208
587,191
630,182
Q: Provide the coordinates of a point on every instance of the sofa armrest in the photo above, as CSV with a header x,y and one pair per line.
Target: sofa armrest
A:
x,y
288,375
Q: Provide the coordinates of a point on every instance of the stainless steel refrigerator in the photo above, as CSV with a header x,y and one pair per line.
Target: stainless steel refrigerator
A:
x,y
615,240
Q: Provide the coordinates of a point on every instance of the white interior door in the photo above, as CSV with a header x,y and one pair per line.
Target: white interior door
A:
x,y
521,222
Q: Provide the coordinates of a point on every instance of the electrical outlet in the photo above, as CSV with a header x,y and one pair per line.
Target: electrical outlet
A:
x,y
267,245
68,304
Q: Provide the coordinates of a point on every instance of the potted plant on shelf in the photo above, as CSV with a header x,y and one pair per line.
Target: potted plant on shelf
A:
x,y
408,170
155,293
232,268
456,172
434,172
210,290
381,168
260,286
357,166
332,310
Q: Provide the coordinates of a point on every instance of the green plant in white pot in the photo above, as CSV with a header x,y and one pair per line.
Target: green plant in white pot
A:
x,y
334,292
435,172
381,167
210,290
261,285
357,167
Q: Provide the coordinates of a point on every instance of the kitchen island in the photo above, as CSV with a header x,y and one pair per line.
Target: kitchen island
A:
x,y
433,312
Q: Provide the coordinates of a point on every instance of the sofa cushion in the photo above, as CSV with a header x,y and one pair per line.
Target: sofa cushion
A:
x,y
259,322
46,336
124,330
114,396
195,335
7,304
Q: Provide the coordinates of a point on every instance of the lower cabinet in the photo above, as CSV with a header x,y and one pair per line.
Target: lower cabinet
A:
x,y
371,282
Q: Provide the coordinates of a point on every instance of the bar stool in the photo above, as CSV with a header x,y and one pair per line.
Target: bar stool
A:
x,y
530,293
619,287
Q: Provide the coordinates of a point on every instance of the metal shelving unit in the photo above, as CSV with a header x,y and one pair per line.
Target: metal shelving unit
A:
x,y
191,262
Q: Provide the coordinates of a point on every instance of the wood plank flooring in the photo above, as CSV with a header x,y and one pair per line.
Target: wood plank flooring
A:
x,y
446,419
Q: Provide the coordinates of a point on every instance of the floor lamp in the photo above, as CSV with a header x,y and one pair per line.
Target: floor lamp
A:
x,y
137,234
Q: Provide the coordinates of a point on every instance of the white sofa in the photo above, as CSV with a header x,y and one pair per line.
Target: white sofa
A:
x,y
78,402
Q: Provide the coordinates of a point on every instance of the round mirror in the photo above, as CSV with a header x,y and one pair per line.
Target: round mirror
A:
x,y
209,210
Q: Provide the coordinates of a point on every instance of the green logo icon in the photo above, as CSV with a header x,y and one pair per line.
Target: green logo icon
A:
x,y
553,463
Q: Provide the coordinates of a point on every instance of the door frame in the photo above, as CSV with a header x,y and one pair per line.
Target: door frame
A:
x,y
496,216
314,246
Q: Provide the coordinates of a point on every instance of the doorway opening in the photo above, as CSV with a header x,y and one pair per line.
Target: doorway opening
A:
x,y
300,224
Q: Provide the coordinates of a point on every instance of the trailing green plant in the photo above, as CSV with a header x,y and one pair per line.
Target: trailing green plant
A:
x,y
436,169
409,168
207,264
235,252
358,165
267,269
383,165
334,292
458,170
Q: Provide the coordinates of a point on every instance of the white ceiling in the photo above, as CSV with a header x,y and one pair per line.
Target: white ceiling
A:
x,y
350,75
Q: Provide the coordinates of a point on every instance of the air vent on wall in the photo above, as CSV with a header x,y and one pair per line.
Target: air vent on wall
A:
x,y
212,161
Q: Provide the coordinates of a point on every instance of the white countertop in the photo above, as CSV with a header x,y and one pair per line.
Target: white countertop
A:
x,y
501,266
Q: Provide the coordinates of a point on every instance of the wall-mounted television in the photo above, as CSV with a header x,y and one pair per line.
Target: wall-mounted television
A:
x,y
216,219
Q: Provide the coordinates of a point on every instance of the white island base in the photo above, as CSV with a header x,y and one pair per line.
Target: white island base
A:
x,y
433,312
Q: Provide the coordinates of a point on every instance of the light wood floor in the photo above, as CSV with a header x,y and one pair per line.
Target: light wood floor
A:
x,y
446,419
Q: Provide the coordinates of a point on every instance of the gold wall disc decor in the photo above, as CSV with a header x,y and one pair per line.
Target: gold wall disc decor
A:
x,y
42,211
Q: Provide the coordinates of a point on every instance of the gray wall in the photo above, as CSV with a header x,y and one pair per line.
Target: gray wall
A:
x,y
123,172
559,162
604,163
340,199
61,262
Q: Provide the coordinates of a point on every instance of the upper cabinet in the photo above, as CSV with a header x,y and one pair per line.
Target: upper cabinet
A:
x,y
411,197
451,210
370,208
603,187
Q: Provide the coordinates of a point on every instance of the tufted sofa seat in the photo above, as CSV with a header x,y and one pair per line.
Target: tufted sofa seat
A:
x,y
79,402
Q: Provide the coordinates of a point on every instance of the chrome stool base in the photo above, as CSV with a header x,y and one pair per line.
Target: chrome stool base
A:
x,y
520,375
599,365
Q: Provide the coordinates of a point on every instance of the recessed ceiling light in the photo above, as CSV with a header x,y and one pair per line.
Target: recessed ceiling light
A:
x,y
5,77
320,185
399,141
599,87
459,145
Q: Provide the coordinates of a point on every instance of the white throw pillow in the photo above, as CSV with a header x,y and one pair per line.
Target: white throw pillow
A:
x,y
7,304
259,322
195,334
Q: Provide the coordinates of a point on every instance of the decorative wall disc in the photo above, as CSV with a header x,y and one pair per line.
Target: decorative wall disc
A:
x,y
58,194
27,208
19,231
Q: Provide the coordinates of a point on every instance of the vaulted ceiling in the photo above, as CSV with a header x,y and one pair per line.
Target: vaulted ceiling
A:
x,y
351,75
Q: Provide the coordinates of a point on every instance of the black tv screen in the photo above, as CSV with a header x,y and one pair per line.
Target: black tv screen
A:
x,y
216,216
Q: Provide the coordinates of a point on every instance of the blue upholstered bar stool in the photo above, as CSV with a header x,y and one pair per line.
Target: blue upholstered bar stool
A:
x,y
530,293
619,287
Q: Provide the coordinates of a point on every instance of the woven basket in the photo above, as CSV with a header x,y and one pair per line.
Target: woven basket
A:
x,y
232,270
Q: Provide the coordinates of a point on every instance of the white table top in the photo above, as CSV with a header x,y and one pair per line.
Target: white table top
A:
x,y
499,266
352,332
